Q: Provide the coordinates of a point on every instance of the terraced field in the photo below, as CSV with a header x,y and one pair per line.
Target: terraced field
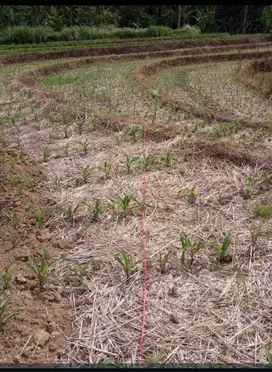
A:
x,y
166,133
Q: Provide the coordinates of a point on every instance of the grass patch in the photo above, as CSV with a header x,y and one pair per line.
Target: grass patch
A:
x,y
223,130
264,211
57,80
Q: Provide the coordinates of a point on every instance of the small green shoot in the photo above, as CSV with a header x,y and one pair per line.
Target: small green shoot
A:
x,y
13,237
13,218
187,245
168,158
84,145
221,252
126,263
191,194
40,268
5,277
39,214
6,315
133,133
147,161
46,153
106,168
124,202
264,211
129,161
85,173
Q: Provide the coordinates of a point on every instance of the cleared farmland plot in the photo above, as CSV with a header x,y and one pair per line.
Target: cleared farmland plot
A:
x,y
207,180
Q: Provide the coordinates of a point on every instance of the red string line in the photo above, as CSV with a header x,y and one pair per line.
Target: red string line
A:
x,y
143,245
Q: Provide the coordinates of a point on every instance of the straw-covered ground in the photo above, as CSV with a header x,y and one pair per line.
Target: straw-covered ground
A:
x,y
79,125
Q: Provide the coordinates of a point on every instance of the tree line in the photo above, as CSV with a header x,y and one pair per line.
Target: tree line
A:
x,y
216,18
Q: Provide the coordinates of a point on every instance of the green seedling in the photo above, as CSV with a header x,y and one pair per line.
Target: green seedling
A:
x,y
13,218
85,173
187,245
221,252
106,168
249,187
46,153
5,277
126,263
147,161
264,211
163,260
39,214
191,194
70,212
129,161
6,315
80,268
189,111
124,202
40,268
210,116
85,145
13,237
96,209
133,133
168,158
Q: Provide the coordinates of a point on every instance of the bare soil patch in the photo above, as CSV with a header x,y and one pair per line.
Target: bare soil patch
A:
x,y
39,335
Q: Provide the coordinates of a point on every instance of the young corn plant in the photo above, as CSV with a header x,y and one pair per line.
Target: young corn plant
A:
x,y
5,277
106,168
133,133
80,268
85,173
163,260
6,315
40,268
70,212
221,251
96,209
247,192
126,263
187,245
147,161
168,158
13,237
129,161
124,202
84,145
39,214
46,153
191,194
12,217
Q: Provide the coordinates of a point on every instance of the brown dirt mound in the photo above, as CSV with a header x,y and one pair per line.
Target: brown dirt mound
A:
x,y
257,75
84,52
38,335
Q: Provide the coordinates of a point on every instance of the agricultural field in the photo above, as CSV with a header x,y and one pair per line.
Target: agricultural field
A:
x,y
136,202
